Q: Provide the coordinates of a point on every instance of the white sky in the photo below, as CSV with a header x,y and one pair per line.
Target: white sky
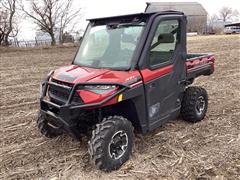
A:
x,y
102,8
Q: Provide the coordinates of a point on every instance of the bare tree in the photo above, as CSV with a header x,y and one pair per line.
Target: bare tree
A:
x,y
8,25
212,20
52,16
236,14
226,13
67,17
44,13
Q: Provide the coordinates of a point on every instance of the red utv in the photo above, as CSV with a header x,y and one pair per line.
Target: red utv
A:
x,y
130,72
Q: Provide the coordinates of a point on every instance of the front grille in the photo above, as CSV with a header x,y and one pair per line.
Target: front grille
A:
x,y
60,95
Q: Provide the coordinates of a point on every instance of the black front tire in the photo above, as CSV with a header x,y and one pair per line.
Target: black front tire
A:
x,y
111,143
194,104
45,129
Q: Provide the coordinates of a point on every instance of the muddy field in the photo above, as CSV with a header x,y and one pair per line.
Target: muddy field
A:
x,y
177,150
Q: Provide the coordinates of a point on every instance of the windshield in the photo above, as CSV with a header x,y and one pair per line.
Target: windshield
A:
x,y
109,46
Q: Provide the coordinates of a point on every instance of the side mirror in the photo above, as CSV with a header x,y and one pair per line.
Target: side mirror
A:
x,y
166,38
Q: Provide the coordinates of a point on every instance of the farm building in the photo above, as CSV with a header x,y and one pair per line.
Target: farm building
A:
x,y
196,14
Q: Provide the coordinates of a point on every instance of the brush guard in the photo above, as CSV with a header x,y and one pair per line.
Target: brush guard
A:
x,y
64,116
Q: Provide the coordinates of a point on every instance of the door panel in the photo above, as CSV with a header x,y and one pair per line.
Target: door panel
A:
x,y
165,68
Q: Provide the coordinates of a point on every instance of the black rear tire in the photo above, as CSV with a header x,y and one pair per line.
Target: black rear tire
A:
x,y
111,143
45,129
194,104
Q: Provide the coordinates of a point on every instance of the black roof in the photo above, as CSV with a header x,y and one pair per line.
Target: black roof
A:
x,y
130,17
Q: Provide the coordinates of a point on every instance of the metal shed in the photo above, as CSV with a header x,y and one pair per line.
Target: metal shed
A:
x,y
232,24
196,14
232,28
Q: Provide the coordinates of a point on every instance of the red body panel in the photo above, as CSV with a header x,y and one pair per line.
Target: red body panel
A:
x,y
149,75
91,97
197,62
86,74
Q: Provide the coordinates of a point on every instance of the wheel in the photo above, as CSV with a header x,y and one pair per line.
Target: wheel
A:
x,y
45,128
194,104
111,143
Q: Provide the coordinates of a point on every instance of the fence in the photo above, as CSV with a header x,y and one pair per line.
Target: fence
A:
x,y
31,43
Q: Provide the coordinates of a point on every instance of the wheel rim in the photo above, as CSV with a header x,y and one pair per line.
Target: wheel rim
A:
x,y
200,105
118,145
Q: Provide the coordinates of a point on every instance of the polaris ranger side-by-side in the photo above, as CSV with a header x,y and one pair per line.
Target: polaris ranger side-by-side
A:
x,y
130,72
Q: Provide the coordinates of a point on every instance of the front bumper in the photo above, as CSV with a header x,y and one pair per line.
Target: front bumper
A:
x,y
66,116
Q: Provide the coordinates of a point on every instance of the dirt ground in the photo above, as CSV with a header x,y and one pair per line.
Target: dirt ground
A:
x,y
178,150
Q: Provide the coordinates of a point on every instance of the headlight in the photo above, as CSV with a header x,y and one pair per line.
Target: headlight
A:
x,y
99,89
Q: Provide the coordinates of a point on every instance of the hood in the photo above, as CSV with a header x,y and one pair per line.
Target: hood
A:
x,y
75,73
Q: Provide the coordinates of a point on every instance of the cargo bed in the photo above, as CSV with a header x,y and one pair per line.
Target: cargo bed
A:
x,y
199,64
